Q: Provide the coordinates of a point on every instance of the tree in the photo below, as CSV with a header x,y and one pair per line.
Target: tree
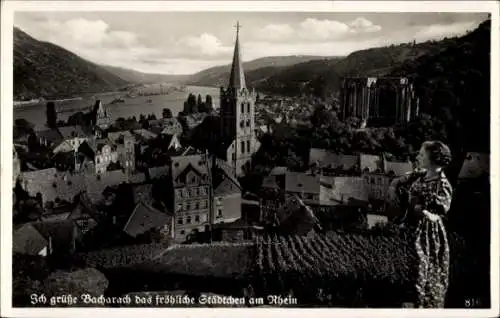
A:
x,y
51,115
200,101
167,113
209,103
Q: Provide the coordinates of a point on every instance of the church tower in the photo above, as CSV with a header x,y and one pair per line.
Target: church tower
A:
x,y
237,112
102,118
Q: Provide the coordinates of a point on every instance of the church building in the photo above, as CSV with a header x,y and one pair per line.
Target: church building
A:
x,y
237,117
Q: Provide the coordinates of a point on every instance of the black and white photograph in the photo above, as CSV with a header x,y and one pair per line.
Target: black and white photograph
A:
x,y
249,158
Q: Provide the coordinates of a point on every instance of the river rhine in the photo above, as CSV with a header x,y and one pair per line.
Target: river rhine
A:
x,y
35,114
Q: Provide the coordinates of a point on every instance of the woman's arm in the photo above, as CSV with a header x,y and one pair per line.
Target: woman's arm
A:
x,y
439,201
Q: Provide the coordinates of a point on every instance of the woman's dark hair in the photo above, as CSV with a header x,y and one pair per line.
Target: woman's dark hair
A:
x,y
439,153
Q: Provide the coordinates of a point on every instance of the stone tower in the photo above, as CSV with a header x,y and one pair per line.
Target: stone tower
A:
x,y
102,118
237,112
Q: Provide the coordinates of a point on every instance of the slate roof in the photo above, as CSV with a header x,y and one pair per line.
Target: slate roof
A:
x,y
145,134
52,184
345,188
278,171
219,178
399,168
325,158
475,165
115,136
372,162
143,193
180,163
52,135
95,185
158,172
301,182
295,217
143,218
172,126
69,132
27,240
63,234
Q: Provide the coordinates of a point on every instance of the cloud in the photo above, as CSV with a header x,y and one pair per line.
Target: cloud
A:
x,y
440,31
274,32
205,44
82,33
362,25
315,30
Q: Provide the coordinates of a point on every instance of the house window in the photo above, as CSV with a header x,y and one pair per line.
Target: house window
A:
x,y
248,145
197,218
242,108
197,192
188,220
179,221
188,206
248,108
233,156
182,232
248,123
242,124
219,213
197,205
242,147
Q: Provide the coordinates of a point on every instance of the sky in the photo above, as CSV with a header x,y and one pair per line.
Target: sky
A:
x,y
188,42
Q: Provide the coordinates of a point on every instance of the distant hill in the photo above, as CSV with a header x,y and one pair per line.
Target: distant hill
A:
x,y
255,70
42,69
137,77
322,77
454,86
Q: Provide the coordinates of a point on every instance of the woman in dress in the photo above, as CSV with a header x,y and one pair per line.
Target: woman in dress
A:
x,y
425,196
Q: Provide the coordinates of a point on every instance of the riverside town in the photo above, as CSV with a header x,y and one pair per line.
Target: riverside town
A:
x,y
292,160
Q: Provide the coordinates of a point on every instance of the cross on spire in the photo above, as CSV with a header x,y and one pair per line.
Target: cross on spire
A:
x,y
237,26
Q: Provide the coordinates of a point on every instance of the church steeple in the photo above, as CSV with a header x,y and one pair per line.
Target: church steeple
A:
x,y
237,77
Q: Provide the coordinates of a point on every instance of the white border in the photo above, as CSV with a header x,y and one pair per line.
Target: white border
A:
x,y
8,8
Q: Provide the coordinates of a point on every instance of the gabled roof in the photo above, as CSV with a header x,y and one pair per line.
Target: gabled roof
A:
x,y
95,185
295,217
344,189
372,162
143,193
398,167
68,132
158,172
475,165
301,182
145,134
52,184
27,240
115,136
325,158
171,126
188,169
143,218
51,135
63,233
224,182
179,163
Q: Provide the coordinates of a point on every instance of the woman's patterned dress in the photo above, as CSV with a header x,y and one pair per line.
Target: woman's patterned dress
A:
x,y
433,195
